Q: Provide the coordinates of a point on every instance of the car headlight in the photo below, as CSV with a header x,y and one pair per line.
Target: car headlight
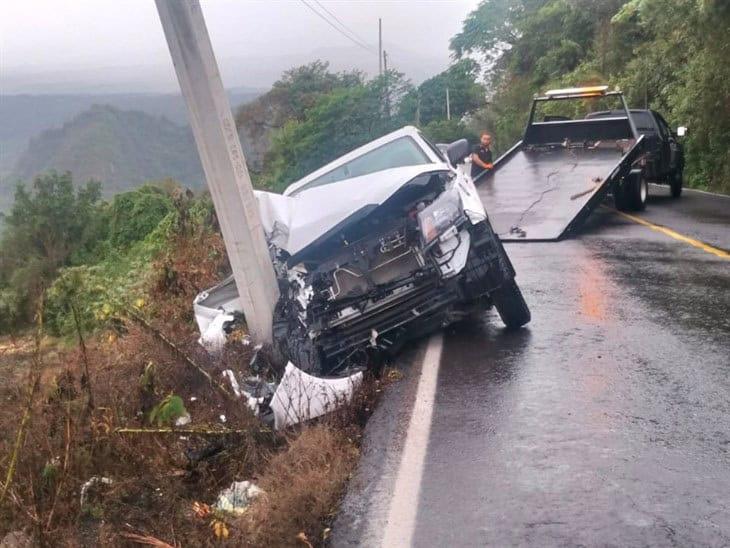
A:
x,y
443,212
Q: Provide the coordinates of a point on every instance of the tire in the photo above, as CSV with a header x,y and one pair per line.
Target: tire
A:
x,y
619,197
511,305
675,184
633,193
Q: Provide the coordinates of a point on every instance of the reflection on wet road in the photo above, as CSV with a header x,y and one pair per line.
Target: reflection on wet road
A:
x,y
607,422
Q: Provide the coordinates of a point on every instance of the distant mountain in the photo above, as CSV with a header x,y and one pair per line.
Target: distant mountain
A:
x,y
25,116
120,148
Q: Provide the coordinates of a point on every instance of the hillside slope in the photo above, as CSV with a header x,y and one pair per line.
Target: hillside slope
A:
x,y
26,116
123,149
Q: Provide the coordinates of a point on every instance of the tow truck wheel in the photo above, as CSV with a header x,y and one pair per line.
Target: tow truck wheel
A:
x,y
619,197
511,305
635,192
675,184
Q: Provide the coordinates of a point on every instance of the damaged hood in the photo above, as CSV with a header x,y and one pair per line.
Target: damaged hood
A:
x,y
293,222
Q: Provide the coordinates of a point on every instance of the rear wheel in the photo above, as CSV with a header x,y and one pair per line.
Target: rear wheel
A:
x,y
511,305
675,183
631,195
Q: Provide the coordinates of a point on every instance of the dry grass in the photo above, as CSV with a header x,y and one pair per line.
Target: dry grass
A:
x,y
303,485
157,477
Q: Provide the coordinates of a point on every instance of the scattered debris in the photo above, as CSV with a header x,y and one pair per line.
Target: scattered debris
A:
x,y
237,497
231,376
91,483
183,420
213,339
302,537
300,396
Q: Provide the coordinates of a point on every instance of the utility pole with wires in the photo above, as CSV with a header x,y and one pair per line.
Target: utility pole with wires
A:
x,y
380,46
223,162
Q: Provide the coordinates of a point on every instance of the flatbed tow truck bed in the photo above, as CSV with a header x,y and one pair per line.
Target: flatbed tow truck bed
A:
x,y
546,185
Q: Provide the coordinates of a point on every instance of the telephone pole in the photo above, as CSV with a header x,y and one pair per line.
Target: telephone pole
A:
x,y
223,161
380,46
387,88
448,105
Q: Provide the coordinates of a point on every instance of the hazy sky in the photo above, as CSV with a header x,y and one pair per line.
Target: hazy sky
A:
x,y
97,42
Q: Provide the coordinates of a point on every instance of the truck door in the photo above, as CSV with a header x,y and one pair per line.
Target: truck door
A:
x,y
672,146
664,149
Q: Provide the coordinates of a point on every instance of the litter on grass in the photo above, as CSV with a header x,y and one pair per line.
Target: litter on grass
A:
x,y
236,499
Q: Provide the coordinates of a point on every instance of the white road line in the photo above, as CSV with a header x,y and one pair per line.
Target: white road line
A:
x,y
404,504
685,189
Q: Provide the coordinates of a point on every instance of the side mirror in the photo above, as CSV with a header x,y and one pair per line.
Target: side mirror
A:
x,y
681,131
457,151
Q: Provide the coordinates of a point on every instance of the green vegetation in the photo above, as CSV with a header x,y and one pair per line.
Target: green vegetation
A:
x,y
319,115
81,251
671,56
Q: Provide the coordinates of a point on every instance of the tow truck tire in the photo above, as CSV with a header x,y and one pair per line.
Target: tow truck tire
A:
x,y
636,191
619,198
675,184
511,305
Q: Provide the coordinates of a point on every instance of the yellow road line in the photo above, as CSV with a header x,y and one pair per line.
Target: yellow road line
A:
x,y
676,235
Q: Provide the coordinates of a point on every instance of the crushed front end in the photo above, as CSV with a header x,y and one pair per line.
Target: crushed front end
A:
x,y
423,259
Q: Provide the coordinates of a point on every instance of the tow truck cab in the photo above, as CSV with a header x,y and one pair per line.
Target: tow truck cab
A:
x,y
663,161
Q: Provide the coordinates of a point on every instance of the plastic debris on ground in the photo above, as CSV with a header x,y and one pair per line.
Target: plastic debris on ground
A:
x,y
183,420
95,480
213,338
236,499
298,397
301,397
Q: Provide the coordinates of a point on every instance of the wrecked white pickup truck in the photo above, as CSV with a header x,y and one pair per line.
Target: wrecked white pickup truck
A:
x,y
380,246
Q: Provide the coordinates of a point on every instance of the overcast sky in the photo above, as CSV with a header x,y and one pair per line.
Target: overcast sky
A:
x,y
49,44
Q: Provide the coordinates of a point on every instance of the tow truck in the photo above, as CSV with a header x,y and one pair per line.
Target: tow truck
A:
x,y
564,166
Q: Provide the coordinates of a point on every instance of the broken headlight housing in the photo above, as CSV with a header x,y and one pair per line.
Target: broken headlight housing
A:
x,y
439,216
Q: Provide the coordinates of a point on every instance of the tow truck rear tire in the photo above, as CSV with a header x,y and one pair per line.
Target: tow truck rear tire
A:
x,y
511,305
631,195
675,184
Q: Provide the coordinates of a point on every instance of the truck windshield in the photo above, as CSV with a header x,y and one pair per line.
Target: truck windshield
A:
x,y
401,152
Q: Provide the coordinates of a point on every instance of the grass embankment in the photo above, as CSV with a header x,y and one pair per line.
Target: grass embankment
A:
x,y
78,398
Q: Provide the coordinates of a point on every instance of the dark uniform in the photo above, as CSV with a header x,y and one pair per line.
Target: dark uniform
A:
x,y
485,155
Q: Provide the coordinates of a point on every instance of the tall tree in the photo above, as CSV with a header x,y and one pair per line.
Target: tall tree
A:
x,y
44,228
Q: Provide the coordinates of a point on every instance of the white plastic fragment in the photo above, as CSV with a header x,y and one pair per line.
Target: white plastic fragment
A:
x,y
183,420
301,397
90,483
222,418
231,376
213,339
237,497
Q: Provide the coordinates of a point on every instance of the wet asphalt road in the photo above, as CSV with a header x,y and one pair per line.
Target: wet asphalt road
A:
x,y
605,423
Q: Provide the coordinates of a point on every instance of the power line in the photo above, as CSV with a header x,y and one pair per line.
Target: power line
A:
x,y
344,27
331,24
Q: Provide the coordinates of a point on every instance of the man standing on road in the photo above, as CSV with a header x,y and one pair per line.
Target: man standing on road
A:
x,y
481,156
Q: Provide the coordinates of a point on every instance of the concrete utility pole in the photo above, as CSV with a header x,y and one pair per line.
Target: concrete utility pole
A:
x,y
223,161
448,105
387,87
380,46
